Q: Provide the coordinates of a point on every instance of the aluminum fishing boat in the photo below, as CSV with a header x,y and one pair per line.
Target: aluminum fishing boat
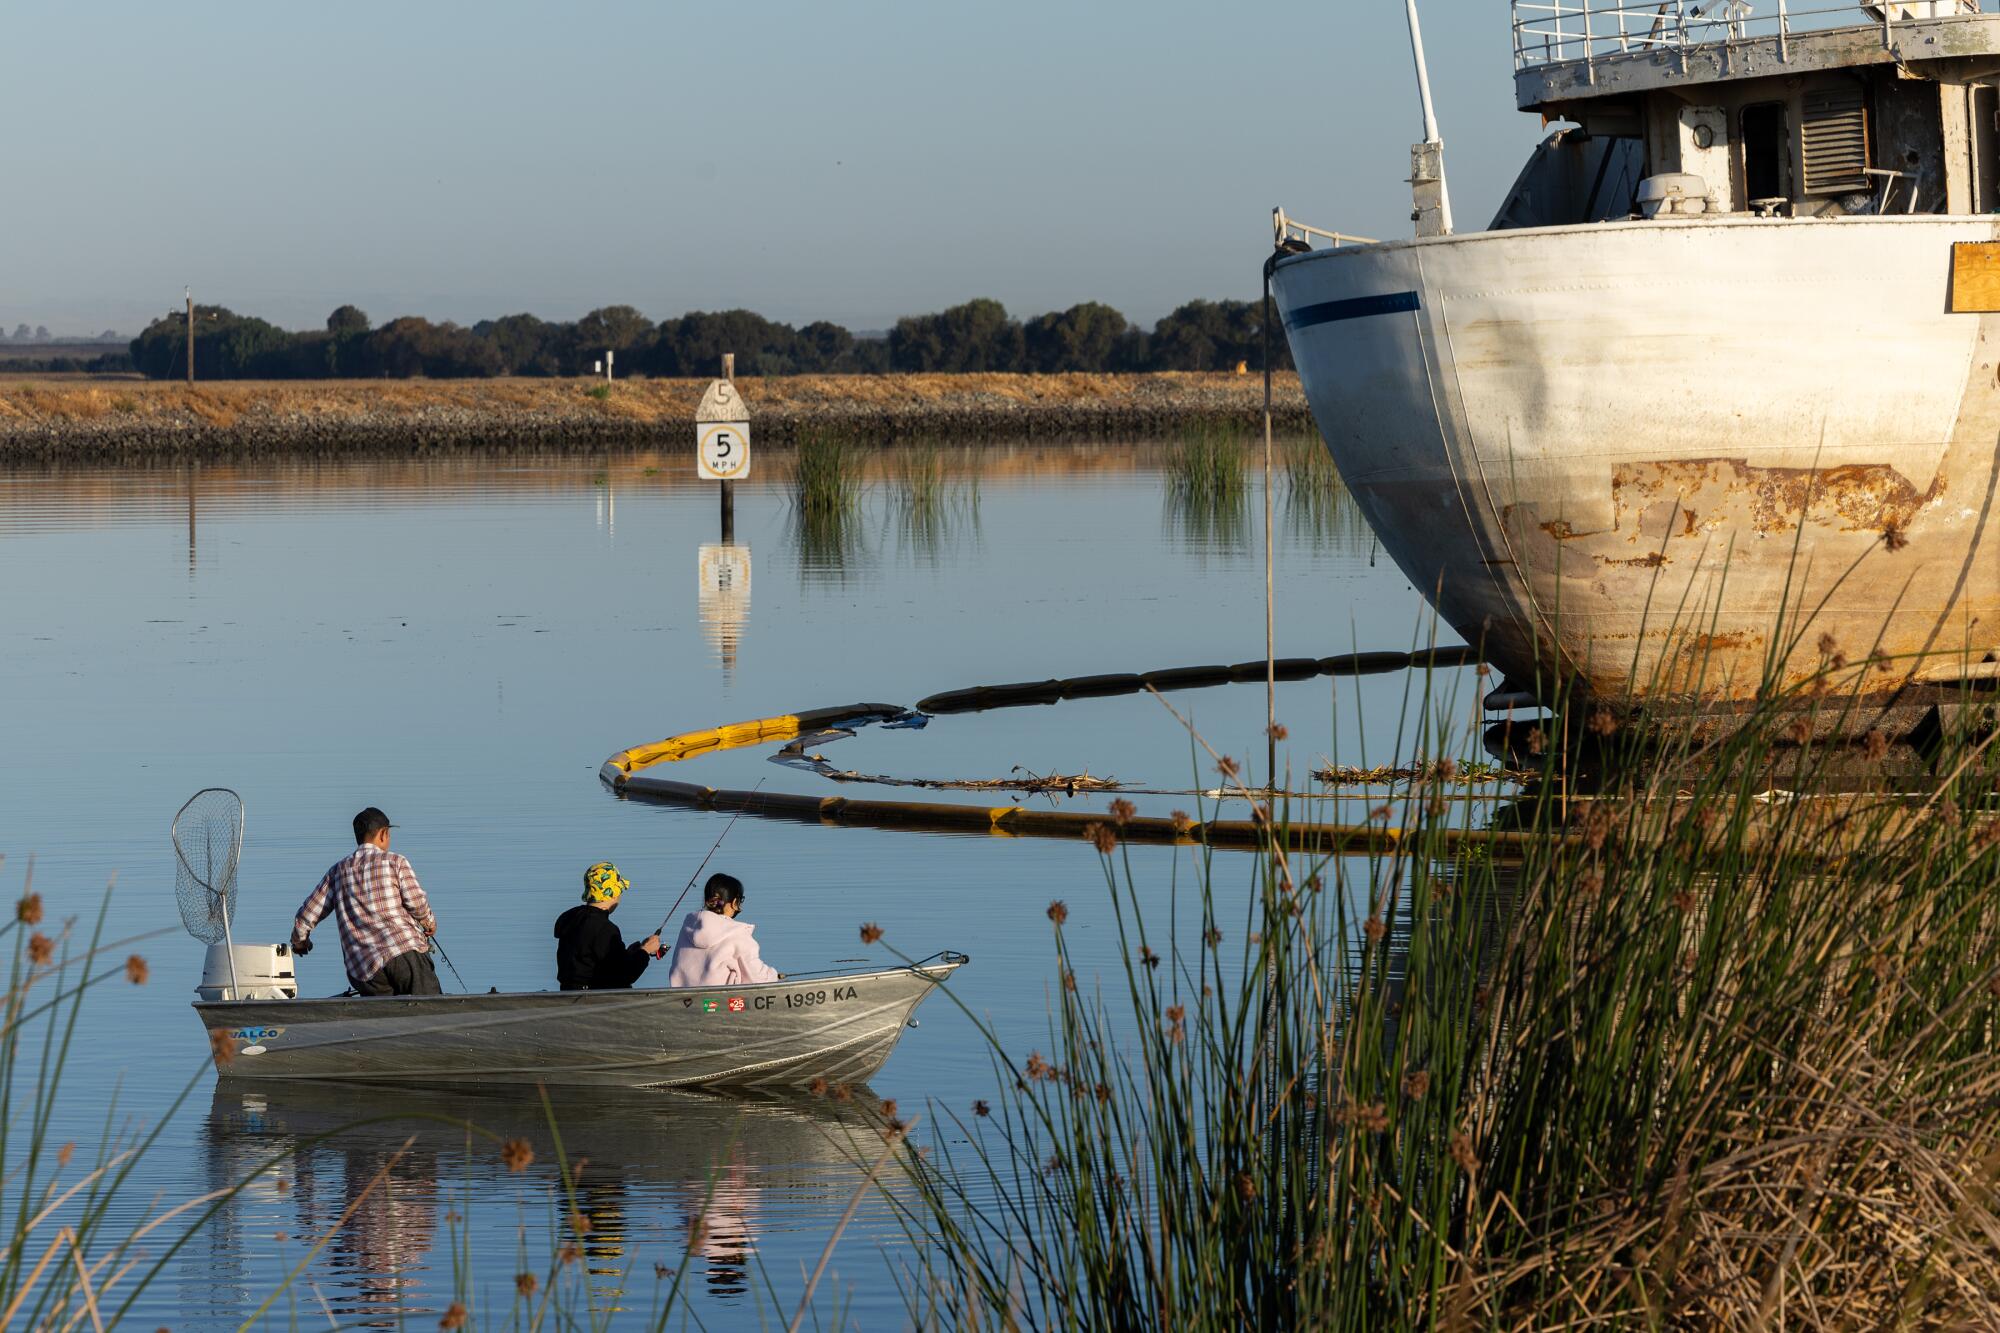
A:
x,y
837,1027
1713,404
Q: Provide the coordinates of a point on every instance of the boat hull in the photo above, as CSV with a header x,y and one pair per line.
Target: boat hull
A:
x,y
1691,460
784,1035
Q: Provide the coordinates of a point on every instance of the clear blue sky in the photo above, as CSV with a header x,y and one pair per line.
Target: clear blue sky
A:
x,y
850,161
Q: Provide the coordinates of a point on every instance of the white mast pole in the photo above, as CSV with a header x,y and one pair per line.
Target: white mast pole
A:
x,y
1433,199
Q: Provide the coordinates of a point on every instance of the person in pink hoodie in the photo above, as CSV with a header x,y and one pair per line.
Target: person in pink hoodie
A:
x,y
715,949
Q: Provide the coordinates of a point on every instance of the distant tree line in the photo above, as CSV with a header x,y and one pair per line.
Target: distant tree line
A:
x,y
977,336
40,334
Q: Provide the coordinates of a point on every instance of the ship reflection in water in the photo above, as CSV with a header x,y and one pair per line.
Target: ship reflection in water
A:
x,y
375,1210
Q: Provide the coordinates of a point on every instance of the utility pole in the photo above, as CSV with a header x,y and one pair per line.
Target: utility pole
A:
x,y
190,320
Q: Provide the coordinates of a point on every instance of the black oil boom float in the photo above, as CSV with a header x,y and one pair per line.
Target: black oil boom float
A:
x,y
624,772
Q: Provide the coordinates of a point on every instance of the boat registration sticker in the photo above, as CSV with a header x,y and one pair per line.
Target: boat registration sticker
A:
x,y
1975,277
736,1004
711,1006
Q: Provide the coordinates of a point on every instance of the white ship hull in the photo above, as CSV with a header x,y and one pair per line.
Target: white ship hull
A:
x,y
1672,459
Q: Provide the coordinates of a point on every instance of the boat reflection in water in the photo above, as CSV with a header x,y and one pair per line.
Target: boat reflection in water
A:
x,y
661,1178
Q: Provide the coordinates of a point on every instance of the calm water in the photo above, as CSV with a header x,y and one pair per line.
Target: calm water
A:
x,y
463,643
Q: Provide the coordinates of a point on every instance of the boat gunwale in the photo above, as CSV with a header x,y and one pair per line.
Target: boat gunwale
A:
x,y
933,973
1701,221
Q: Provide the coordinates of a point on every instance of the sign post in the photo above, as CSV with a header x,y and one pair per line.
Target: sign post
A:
x,y
722,441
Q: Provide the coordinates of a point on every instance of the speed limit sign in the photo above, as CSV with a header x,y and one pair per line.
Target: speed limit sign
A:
x,y
722,449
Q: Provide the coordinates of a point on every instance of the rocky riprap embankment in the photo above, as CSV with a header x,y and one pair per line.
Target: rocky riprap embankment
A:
x,y
93,421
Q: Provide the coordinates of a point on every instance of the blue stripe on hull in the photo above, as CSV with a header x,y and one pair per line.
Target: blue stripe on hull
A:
x,y
1359,307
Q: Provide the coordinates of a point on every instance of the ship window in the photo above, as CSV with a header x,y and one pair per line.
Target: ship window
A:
x,y
1833,132
1767,152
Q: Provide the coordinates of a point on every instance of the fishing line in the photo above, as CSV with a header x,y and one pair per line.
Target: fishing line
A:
x,y
705,860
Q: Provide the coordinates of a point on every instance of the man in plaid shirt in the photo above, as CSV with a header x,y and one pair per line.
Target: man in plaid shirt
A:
x,y
385,920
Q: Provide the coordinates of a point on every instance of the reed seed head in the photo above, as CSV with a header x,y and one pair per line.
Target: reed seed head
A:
x,y
1602,722
1374,929
1684,901
1069,980
1182,823
1228,767
1212,936
1416,1083
525,1284
1037,1068
1462,1153
1101,837
136,970
579,1224
1447,768
817,1087
64,1153
1246,1188
1894,535
1148,957
1123,810
1828,646
453,1317
221,1047
888,1108
29,910
981,1109
661,1272
1276,731
41,949
1798,731
842,1093
1371,1119
1875,745
569,1253
870,933
1059,911
517,1154
1535,741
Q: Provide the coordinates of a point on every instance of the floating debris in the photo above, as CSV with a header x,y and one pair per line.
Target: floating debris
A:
x,y
1431,770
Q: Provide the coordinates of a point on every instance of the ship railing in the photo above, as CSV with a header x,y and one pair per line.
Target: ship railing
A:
x,y
1552,32
1289,233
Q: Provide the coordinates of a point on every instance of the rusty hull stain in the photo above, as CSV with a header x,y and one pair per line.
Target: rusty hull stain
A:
x,y
1865,496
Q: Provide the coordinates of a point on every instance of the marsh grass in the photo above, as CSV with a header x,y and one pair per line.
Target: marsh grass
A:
x,y
1208,493
1693,1055
929,506
825,494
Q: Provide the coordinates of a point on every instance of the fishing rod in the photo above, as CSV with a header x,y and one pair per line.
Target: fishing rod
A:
x,y
705,860
439,950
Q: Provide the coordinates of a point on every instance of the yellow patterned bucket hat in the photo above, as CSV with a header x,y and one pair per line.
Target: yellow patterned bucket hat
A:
x,y
603,884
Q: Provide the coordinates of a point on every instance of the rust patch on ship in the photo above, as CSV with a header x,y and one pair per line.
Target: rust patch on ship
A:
x,y
1863,496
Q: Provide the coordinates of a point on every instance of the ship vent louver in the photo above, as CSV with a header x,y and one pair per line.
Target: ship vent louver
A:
x,y
1835,138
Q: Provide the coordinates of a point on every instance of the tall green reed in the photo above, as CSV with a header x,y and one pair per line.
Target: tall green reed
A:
x,y
1691,1053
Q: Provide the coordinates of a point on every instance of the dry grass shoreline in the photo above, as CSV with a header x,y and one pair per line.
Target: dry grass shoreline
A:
x,y
54,420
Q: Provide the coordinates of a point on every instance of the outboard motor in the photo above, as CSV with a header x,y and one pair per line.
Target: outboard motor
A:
x,y
263,972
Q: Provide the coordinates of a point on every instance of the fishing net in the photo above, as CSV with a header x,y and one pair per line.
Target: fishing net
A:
x,y
208,836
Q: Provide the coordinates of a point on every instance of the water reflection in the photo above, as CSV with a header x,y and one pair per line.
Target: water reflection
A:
x,y
722,571
660,1178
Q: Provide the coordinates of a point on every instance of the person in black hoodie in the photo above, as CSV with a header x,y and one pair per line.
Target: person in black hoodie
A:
x,y
590,953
